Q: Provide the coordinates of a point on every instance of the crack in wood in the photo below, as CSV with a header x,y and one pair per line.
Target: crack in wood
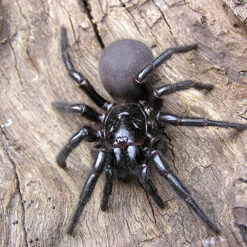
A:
x,y
152,210
132,17
94,25
16,66
17,187
165,20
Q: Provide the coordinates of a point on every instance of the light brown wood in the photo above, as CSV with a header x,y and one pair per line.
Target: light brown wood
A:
x,y
37,198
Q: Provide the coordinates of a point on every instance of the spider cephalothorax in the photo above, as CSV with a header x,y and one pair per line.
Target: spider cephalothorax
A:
x,y
132,126
125,125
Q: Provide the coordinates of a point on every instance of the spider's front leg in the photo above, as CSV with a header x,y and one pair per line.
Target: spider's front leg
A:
x,y
78,77
87,133
165,172
108,187
167,118
148,186
99,163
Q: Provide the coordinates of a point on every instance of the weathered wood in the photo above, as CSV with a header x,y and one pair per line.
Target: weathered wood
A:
x,y
37,197
239,9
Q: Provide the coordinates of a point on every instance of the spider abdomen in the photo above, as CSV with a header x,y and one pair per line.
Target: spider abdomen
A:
x,y
119,65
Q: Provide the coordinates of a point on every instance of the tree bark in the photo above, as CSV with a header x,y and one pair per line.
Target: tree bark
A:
x,y
37,197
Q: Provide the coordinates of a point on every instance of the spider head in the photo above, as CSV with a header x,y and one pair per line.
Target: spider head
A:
x,y
125,125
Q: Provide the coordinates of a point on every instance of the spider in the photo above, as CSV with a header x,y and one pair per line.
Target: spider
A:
x,y
131,128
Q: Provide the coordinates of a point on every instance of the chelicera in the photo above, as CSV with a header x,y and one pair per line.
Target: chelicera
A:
x,y
131,128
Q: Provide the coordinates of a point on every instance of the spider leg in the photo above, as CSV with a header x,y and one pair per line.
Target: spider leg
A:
x,y
197,122
81,109
148,186
164,171
107,188
79,78
88,187
86,133
179,86
162,58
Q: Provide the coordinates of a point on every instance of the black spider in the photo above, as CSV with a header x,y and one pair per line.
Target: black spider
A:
x,y
132,127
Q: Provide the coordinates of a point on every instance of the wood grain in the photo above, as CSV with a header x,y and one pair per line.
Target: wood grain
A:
x,y
37,197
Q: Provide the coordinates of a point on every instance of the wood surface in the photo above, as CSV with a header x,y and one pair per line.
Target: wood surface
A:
x,y
37,198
